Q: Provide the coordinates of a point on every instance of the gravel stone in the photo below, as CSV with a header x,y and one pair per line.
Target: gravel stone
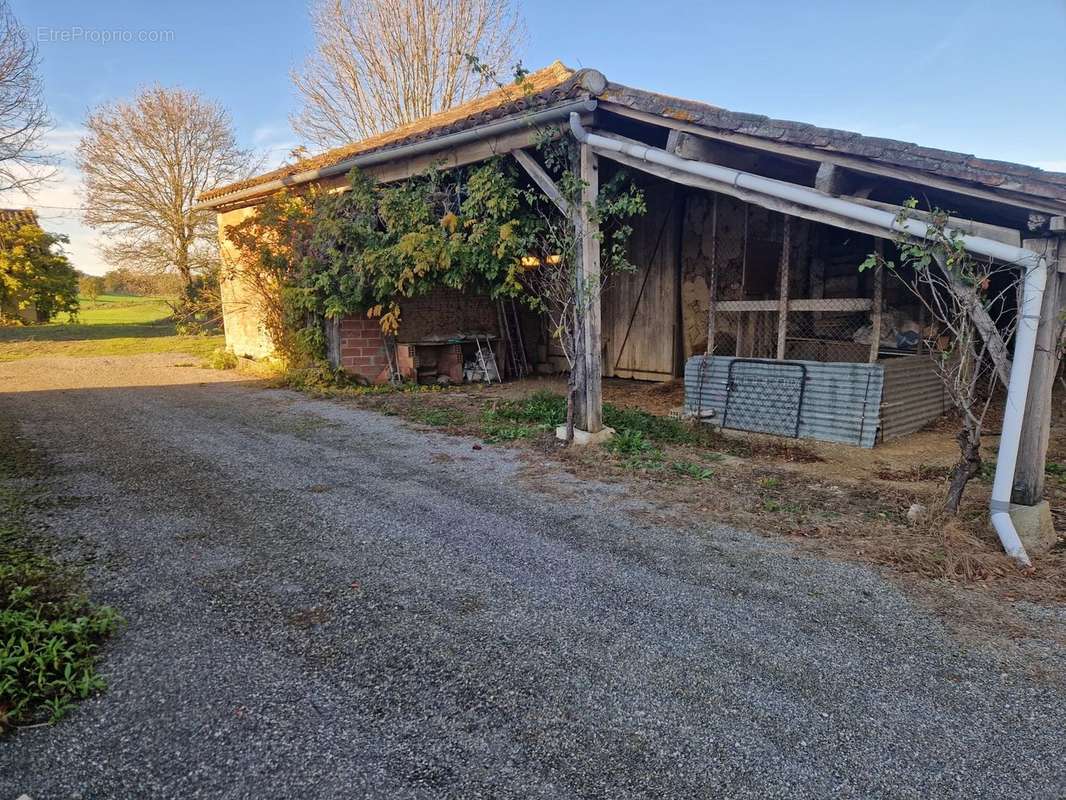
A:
x,y
324,602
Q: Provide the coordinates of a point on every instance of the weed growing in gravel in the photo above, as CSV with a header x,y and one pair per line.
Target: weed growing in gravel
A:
x,y
49,631
690,470
629,443
636,451
499,429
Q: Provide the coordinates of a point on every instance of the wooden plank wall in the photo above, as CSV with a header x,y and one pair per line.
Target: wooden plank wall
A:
x,y
644,303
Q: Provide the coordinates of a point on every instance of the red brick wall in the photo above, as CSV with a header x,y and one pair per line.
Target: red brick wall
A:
x,y
446,312
362,351
441,313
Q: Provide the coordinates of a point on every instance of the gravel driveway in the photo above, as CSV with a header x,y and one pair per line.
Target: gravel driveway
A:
x,y
325,603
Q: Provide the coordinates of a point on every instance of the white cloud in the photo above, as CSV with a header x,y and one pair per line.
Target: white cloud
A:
x,y
58,201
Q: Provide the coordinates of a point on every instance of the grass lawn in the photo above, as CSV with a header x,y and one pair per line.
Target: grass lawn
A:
x,y
112,325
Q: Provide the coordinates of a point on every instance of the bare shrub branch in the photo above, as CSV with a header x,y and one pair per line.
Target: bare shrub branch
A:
x,y
379,64
972,303
24,117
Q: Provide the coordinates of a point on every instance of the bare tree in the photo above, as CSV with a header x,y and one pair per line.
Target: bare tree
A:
x,y
971,304
23,115
381,63
143,163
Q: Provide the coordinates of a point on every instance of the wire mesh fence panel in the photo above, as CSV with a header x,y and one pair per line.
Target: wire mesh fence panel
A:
x,y
747,334
828,335
764,397
815,330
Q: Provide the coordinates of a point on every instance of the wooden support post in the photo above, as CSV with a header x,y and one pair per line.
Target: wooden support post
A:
x,y
712,280
782,288
1028,487
877,303
589,284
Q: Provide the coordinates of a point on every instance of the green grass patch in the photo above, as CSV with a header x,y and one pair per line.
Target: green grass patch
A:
x,y
49,631
548,410
113,325
508,420
659,429
439,417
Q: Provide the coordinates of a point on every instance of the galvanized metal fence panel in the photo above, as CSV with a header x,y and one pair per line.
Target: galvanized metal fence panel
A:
x,y
841,400
764,396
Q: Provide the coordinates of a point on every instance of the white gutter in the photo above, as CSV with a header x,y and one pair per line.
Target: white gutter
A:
x,y
560,112
1034,265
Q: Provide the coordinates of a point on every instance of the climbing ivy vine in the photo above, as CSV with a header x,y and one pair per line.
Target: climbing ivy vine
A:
x,y
324,255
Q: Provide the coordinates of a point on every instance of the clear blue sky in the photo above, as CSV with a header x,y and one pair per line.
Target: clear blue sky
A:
x,y
984,77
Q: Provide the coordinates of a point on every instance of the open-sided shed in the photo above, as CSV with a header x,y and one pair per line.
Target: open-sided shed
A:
x,y
747,280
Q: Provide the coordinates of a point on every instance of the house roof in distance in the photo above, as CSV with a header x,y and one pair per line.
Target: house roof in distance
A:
x,y
557,83
20,216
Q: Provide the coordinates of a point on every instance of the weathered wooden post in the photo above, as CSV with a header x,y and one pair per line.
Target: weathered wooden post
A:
x,y
782,288
1032,452
587,372
877,303
589,283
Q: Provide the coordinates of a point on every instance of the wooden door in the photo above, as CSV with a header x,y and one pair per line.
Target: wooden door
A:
x,y
641,308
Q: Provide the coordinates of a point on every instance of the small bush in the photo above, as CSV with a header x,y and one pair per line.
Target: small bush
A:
x,y
320,375
222,358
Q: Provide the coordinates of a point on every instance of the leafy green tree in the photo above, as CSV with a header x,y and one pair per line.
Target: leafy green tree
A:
x,y
90,286
34,272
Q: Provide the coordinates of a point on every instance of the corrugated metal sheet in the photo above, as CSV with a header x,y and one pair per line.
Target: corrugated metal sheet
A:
x,y
841,401
913,396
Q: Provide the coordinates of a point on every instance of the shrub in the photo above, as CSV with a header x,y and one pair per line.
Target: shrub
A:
x,y
222,358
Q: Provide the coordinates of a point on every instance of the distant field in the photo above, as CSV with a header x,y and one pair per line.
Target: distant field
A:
x,y
113,325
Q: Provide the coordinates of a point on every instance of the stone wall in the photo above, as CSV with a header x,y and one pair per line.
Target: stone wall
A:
x,y
241,316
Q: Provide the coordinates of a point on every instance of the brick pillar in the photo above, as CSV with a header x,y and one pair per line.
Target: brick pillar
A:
x,y
362,350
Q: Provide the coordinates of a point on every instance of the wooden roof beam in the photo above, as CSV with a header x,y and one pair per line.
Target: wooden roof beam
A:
x,y
840,159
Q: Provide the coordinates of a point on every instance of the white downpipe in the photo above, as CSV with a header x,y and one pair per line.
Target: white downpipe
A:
x,y
1014,414
1034,265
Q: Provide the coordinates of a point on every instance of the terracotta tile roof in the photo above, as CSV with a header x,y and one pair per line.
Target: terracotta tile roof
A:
x,y
558,82
1000,175
20,216
554,82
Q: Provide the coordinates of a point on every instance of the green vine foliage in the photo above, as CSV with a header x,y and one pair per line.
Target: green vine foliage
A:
x,y
325,255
